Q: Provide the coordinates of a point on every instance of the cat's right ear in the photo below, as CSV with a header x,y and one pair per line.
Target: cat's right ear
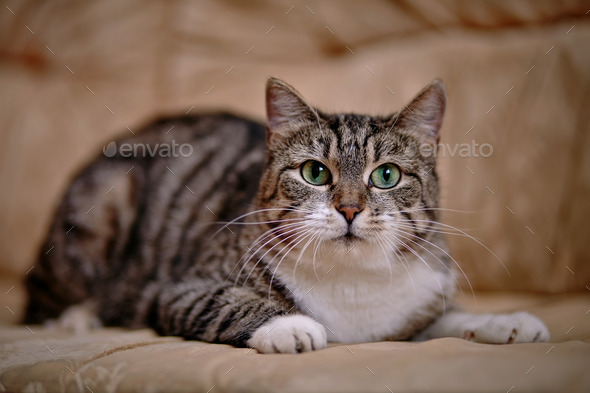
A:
x,y
285,107
424,114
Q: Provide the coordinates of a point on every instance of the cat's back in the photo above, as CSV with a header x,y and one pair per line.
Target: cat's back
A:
x,y
148,203
192,171
185,139
214,159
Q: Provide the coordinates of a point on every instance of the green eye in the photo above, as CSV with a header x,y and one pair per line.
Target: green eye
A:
x,y
385,176
315,173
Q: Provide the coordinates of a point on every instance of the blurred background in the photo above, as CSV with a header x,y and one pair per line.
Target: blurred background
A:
x,y
74,74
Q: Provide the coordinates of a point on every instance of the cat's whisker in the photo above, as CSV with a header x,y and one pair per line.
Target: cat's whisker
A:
x,y
403,263
470,237
316,248
311,239
405,236
300,236
259,211
275,233
408,236
292,232
440,209
291,229
273,237
266,222
271,233
259,239
287,239
442,292
443,231
297,242
379,242
428,229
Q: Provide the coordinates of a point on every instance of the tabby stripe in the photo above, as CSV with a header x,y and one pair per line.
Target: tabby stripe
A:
x,y
174,201
193,221
52,293
293,205
429,212
206,322
425,232
199,322
326,150
377,148
193,216
237,313
275,190
231,203
357,146
176,298
272,195
268,164
263,315
181,319
409,218
136,237
417,231
193,247
337,135
419,179
110,252
365,144
434,175
256,135
152,317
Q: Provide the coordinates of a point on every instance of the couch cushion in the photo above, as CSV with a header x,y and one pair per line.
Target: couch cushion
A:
x,y
110,360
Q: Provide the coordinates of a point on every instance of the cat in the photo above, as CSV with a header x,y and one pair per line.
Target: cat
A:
x,y
316,227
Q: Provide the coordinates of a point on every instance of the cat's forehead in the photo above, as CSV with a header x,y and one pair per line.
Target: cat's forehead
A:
x,y
366,136
348,122
349,141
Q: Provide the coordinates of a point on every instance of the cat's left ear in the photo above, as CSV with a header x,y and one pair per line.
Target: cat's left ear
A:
x,y
285,108
424,114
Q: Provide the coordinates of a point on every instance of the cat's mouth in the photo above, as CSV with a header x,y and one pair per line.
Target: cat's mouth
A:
x,y
350,237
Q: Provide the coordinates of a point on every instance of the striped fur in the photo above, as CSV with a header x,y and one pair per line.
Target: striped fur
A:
x,y
142,239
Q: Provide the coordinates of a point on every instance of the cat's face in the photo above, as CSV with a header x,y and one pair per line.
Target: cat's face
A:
x,y
346,180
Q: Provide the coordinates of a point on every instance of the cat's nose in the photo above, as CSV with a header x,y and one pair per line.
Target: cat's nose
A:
x,y
349,211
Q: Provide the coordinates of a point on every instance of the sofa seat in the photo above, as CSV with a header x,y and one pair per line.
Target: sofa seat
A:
x,y
35,359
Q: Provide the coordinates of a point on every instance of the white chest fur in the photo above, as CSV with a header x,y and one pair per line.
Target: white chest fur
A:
x,y
360,305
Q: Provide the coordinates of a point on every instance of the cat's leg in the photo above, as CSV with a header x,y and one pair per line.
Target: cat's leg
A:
x,y
229,314
86,241
519,327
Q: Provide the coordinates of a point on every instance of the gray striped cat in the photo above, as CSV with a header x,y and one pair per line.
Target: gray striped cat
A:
x,y
318,227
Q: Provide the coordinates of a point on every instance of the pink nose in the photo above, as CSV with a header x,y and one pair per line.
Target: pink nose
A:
x,y
349,211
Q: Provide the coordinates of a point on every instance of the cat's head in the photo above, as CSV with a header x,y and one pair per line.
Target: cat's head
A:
x,y
344,180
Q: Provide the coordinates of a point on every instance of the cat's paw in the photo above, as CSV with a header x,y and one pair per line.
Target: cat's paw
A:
x,y
289,334
520,327
79,318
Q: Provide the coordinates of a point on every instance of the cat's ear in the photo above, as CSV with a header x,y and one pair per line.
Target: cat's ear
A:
x,y
424,114
284,108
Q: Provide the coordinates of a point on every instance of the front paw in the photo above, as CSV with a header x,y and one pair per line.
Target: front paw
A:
x,y
289,334
520,327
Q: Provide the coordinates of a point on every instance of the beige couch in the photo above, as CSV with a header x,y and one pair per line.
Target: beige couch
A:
x,y
75,74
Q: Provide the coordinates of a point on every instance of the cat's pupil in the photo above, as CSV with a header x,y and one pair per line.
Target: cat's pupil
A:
x,y
386,174
316,170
